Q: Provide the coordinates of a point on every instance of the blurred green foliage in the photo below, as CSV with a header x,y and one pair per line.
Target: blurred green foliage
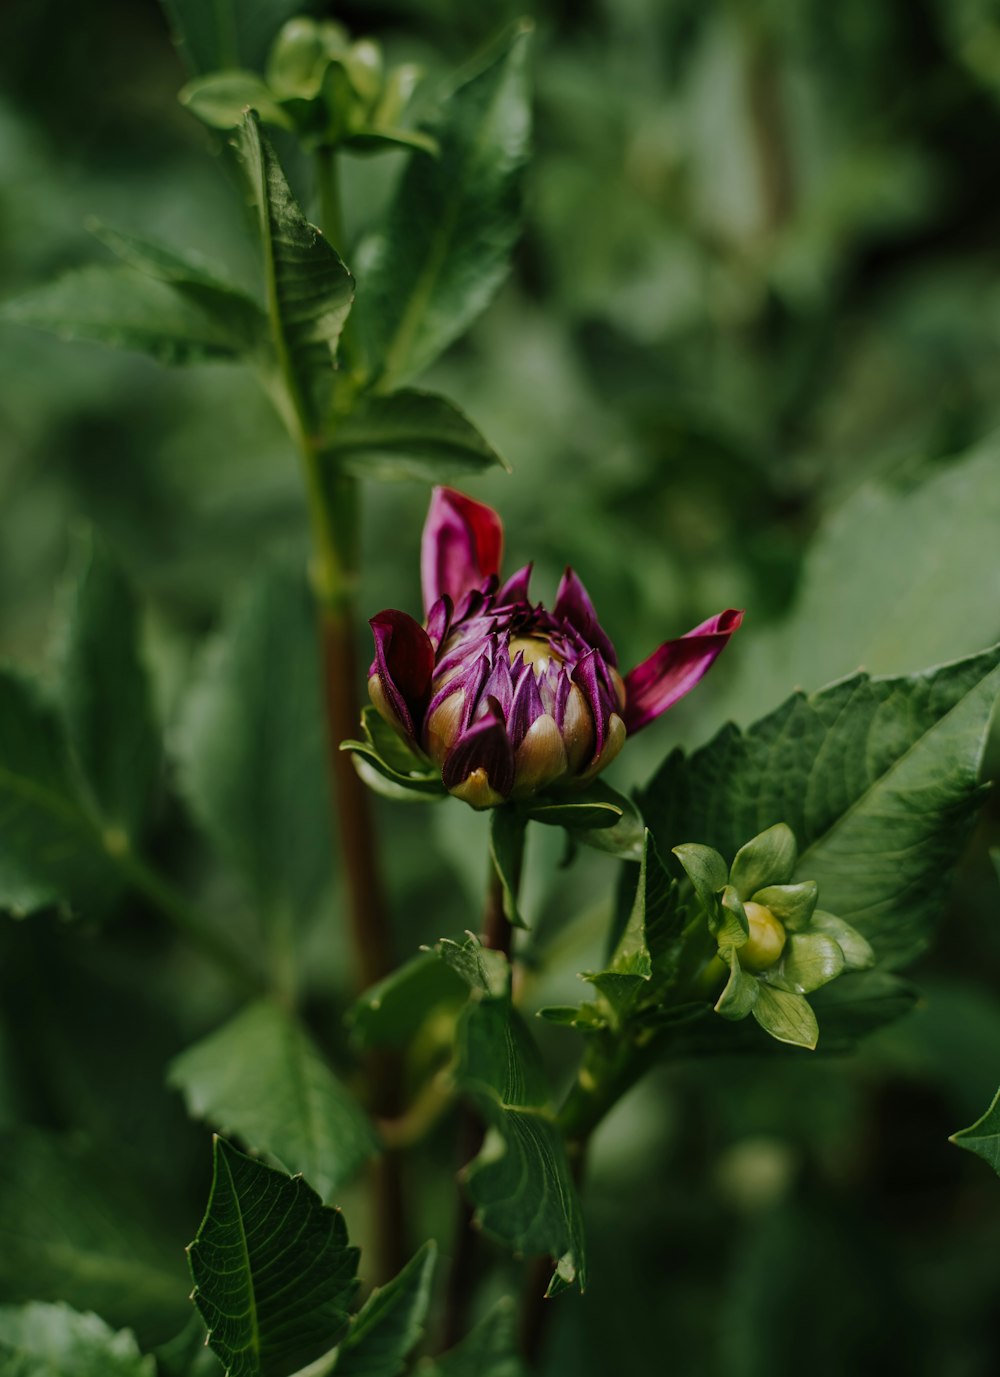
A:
x,y
758,289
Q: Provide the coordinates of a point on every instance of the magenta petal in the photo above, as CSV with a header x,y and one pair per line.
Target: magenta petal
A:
x,y
484,746
587,677
439,620
675,668
404,662
461,546
515,590
574,605
526,705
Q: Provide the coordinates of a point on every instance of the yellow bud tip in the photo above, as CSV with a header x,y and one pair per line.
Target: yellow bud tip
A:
x,y
766,941
477,791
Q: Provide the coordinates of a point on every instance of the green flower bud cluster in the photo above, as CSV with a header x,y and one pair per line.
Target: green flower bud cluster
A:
x,y
773,942
329,89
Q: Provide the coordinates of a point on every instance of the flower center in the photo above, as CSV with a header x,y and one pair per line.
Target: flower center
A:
x,y
537,650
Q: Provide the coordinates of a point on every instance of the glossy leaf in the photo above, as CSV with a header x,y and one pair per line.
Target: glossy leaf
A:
x,y
261,1077
391,1322
273,1271
785,1016
706,870
983,1137
877,778
38,1340
489,1350
106,696
624,838
251,745
410,434
115,306
767,859
446,244
309,290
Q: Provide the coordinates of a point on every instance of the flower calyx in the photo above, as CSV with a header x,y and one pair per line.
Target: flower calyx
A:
x,y
774,945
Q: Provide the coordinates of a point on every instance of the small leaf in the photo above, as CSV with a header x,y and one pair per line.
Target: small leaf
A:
x,y
220,99
810,959
586,1018
446,244
741,993
391,1013
482,970
251,744
261,1077
575,817
400,771
768,859
410,434
273,1271
106,696
489,1350
115,306
792,905
858,955
38,1340
983,1137
786,1016
309,290
391,1321
625,839
706,870
729,924
507,828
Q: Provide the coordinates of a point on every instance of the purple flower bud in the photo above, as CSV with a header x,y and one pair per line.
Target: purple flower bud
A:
x,y
508,698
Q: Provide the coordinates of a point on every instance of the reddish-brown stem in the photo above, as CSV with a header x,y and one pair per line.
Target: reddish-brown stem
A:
x,y
368,916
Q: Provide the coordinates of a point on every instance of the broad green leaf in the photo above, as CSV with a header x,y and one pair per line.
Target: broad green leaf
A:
x,y
786,1016
38,1340
410,434
507,828
391,1322
767,859
261,1077
877,778
75,1230
115,306
391,1013
220,99
520,1182
251,745
309,290
490,1350
983,1137
228,33
52,846
197,281
893,580
106,696
273,1272
446,243
391,767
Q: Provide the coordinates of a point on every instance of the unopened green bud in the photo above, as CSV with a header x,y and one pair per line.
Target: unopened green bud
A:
x,y
766,942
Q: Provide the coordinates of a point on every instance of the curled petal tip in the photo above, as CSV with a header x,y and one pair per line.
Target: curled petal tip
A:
x,y
675,668
400,678
462,545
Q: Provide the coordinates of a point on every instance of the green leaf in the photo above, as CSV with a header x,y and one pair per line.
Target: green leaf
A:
x,y
272,1268
729,924
75,1230
983,1137
228,33
767,859
106,697
54,849
520,1182
220,99
706,870
792,905
574,815
507,828
741,992
391,1013
390,766
187,1354
858,955
261,1077
786,1016
410,434
623,839
446,244
39,1340
309,290
888,583
251,745
877,778
810,960
489,1350
391,1321
484,971
197,281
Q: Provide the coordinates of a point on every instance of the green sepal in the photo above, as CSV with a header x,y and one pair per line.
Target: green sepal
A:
x,y
767,859
792,905
622,838
219,99
706,870
728,922
741,993
983,1137
392,762
575,816
810,959
786,1016
858,954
